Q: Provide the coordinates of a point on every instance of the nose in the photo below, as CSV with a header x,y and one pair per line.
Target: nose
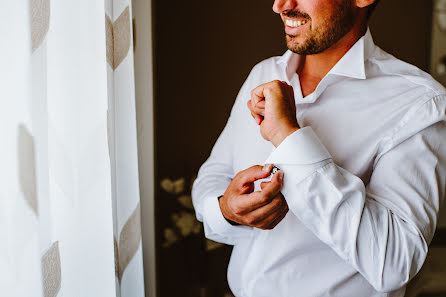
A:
x,y
281,6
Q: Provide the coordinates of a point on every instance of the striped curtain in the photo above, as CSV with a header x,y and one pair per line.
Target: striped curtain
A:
x,y
69,192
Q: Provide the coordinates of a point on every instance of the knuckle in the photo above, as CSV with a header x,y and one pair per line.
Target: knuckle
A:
x,y
237,176
277,203
264,198
237,210
255,167
251,220
270,227
265,226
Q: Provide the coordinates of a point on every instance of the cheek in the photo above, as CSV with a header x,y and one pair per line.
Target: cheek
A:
x,y
320,12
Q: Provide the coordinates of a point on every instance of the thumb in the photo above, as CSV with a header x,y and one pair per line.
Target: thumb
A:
x,y
256,172
275,185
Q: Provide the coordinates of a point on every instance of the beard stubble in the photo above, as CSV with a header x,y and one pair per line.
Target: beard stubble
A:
x,y
325,35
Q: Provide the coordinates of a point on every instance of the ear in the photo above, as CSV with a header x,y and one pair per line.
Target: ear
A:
x,y
364,3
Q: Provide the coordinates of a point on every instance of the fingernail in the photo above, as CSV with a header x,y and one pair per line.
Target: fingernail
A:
x,y
266,167
280,175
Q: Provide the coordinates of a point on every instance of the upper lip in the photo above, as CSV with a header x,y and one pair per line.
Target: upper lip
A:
x,y
294,19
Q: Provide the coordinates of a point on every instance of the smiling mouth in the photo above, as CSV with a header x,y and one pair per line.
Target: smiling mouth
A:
x,y
295,23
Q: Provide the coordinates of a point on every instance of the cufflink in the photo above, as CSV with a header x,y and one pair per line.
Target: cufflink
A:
x,y
275,169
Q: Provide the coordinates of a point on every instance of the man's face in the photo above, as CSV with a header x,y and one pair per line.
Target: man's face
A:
x,y
312,26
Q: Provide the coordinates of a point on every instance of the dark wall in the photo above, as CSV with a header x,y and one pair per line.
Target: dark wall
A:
x,y
203,51
403,28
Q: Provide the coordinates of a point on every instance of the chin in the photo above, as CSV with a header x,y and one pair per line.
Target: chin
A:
x,y
293,44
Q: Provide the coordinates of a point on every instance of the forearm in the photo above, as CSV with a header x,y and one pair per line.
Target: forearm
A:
x,y
385,248
382,230
213,179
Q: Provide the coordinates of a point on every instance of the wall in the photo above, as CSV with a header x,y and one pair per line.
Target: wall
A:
x,y
204,50
403,28
142,30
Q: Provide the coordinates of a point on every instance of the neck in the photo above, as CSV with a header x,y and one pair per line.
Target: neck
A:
x,y
317,66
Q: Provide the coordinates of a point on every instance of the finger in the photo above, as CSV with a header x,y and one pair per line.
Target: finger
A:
x,y
253,201
291,94
258,108
275,185
258,118
258,199
278,219
248,103
256,113
260,104
274,217
263,216
247,188
254,173
263,185
257,95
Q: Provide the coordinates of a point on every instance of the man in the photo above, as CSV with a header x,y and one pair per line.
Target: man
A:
x,y
358,136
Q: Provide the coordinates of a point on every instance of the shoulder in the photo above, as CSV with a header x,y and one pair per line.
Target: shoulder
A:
x,y
265,71
384,65
268,70
422,98
269,63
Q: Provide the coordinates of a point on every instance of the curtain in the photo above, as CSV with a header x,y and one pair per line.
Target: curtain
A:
x,y
69,193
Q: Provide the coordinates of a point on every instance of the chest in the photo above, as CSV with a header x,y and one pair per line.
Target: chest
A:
x,y
351,128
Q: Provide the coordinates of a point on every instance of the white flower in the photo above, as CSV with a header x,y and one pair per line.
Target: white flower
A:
x,y
186,201
170,237
167,185
173,187
187,223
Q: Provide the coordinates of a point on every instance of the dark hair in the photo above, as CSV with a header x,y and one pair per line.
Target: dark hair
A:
x,y
372,8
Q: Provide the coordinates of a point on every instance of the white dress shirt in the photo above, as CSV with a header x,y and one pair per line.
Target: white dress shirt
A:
x,y
364,179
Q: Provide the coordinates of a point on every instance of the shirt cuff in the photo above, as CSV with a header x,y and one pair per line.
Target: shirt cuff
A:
x,y
300,148
217,223
298,156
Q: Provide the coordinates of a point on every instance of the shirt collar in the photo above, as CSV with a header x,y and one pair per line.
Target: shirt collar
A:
x,y
352,64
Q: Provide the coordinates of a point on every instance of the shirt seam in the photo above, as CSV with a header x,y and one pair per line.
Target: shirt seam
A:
x,y
374,60
390,138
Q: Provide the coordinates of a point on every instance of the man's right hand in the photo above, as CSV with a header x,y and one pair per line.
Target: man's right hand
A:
x,y
261,209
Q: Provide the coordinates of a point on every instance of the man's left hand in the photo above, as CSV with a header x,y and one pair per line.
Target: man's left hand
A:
x,y
273,107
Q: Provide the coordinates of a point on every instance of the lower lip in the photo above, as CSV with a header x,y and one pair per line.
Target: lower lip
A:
x,y
294,30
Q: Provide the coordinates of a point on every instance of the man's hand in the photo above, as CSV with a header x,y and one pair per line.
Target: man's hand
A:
x,y
273,107
262,209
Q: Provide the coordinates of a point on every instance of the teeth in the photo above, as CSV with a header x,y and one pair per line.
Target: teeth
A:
x,y
295,24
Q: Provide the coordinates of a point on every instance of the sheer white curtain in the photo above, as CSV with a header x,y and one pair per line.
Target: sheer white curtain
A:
x,y
69,199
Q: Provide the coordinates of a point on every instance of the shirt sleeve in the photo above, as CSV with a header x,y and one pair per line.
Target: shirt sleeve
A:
x,y
382,229
213,178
